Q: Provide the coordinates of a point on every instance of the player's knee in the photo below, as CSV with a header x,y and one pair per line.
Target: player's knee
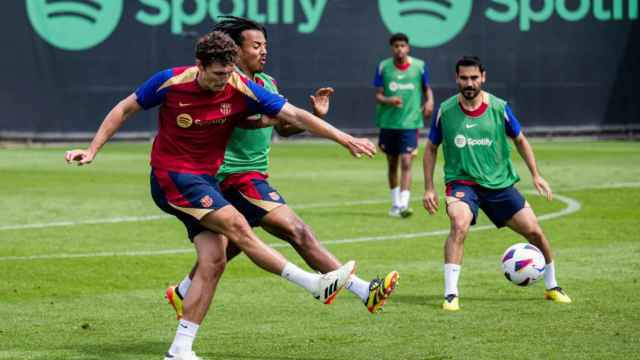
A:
x,y
535,234
459,229
211,267
301,234
237,226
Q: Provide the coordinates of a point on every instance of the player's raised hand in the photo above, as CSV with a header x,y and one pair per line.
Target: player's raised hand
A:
x,y
79,157
430,201
320,101
543,187
360,146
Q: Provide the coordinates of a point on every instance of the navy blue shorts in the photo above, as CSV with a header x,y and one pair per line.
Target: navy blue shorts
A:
x,y
189,197
399,141
251,194
498,204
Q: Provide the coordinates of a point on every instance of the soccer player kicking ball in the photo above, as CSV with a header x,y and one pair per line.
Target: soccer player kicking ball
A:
x,y
199,108
473,127
243,178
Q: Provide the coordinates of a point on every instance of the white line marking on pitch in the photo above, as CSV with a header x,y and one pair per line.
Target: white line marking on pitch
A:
x,y
572,206
122,219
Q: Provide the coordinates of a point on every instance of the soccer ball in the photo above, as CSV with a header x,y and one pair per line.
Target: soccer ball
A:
x,y
523,264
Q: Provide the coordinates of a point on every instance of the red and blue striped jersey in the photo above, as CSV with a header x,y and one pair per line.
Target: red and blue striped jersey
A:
x,y
195,124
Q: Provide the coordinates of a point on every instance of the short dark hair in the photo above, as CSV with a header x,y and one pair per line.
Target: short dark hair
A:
x,y
469,61
235,25
216,47
398,37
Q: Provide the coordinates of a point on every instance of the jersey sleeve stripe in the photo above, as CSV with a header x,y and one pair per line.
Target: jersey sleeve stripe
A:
x,y
186,76
236,81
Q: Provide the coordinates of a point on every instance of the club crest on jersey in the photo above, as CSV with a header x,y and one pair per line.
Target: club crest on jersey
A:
x,y
206,201
274,196
225,109
184,120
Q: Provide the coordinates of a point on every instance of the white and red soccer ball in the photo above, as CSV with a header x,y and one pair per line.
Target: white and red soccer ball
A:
x,y
523,264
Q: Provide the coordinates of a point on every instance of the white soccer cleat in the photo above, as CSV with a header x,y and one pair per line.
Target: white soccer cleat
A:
x,y
395,211
189,355
332,282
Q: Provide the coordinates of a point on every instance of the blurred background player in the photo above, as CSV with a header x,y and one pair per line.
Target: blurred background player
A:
x,y
199,108
243,177
400,83
473,127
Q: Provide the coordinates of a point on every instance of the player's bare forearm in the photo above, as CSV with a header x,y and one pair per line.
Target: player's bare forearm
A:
x,y
390,101
113,121
320,106
305,120
429,164
428,103
526,152
257,122
285,129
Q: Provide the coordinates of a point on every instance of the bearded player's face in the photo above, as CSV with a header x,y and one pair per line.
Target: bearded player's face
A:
x,y
470,80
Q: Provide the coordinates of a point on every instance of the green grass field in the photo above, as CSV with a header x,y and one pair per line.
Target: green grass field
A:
x,y
83,273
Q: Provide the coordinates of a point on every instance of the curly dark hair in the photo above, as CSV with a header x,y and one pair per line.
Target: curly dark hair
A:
x,y
216,47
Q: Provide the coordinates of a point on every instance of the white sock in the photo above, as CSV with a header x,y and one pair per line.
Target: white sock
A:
x,y
358,287
404,198
550,276
184,286
300,277
395,196
185,335
451,275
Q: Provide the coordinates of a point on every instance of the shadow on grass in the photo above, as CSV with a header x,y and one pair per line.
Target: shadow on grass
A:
x,y
435,301
240,356
126,350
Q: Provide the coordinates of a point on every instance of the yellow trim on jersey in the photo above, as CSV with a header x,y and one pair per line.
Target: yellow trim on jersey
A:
x,y
263,204
195,212
236,81
185,77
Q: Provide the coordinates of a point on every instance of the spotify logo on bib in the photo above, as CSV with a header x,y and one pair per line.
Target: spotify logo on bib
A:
x,y
428,23
74,24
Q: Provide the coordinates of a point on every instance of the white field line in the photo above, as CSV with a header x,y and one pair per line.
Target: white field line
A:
x,y
572,206
122,219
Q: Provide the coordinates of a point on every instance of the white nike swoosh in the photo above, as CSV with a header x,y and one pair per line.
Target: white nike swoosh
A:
x,y
469,126
181,104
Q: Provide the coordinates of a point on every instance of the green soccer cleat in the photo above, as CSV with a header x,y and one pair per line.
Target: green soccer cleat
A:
x,y
557,295
406,212
380,290
451,303
175,300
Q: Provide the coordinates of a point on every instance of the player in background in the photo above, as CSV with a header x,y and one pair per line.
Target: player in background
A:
x,y
199,108
473,127
401,81
243,177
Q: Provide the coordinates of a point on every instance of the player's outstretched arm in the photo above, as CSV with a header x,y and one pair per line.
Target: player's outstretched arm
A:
x,y
111,123
526,152
304,119
430,200
319,103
